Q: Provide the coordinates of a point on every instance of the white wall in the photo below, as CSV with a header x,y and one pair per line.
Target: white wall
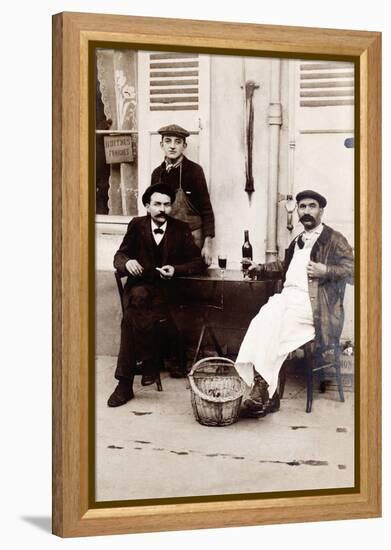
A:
x,y
233,211
25,276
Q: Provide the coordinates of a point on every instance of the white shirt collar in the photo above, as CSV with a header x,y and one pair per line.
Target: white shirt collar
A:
x,y
308,235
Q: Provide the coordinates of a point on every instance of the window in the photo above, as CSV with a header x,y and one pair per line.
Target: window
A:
x,y
116,115
137,92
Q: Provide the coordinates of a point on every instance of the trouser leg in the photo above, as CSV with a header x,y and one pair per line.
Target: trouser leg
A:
x,y
173,346
144,308
126,362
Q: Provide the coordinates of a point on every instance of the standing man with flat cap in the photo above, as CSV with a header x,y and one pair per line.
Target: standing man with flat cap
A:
x,y
155,249
318,264
187,179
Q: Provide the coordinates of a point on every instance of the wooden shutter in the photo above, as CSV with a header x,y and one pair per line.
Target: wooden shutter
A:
x,y
173,81
326,84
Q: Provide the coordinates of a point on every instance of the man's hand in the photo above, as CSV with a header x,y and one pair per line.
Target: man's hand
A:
x,y
252,267
166,272
134,268
316,270
206,251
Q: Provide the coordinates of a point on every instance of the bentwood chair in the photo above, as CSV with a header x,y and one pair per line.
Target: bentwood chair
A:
x,y
120,287
316,362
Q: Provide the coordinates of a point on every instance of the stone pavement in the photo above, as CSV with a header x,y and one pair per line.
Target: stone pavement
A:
x,y
152,447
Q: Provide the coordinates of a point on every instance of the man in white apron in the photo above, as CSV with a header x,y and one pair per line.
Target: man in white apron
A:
x,y
192,202
318,264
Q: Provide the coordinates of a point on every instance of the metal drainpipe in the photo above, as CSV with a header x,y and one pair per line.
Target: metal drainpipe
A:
x,y
275,121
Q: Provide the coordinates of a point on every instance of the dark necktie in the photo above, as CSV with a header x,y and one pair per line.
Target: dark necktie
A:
x,y
170,167
300,242
158,231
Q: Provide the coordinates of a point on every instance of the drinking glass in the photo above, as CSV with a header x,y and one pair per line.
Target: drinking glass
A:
x,y
222,259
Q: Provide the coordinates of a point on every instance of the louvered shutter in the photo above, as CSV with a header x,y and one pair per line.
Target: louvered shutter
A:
x,y
323,94
326,84
173,81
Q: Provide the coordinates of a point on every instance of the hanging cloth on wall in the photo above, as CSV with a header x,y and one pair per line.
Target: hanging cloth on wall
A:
x,y
250,87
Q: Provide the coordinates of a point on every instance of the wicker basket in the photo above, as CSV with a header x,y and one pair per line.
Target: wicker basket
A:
x,y
216,393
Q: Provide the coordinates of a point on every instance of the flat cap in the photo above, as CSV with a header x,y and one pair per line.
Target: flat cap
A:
x,y
174,130
309,194
163,188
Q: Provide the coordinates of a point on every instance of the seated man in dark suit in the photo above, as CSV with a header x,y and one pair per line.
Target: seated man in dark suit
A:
x,y
155,249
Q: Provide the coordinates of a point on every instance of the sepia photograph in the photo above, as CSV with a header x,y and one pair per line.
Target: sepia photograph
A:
x,y
203,330
226,200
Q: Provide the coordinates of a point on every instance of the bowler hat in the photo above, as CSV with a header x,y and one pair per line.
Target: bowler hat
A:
x,y
174,130
163,188
309,194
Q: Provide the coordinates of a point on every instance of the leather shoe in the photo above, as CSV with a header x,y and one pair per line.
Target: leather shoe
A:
x,y
259,390
273,405
253,409
177,372
121,395
254,405
257,409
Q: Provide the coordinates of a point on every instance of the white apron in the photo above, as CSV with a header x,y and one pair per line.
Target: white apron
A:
x,y
281,326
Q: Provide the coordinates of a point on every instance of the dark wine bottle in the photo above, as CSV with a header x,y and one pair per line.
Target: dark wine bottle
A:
x,y
247,249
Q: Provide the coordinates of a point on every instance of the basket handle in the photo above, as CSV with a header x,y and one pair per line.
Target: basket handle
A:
x,y
209,359
210,398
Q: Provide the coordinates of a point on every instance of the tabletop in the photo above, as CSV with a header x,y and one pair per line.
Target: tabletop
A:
x,y
231,275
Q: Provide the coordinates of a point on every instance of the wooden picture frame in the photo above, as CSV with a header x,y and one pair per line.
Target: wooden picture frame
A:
x,y
73,514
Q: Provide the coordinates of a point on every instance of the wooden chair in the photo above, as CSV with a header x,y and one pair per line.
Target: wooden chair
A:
x,y
315,362
120,287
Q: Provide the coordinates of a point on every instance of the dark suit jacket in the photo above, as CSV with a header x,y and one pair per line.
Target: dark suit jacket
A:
x,y
327,293
178,250
194,185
